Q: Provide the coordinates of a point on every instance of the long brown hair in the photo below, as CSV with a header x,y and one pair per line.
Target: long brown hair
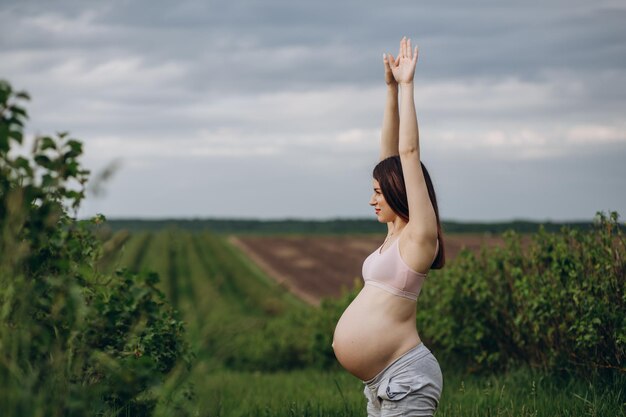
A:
x,y
388,173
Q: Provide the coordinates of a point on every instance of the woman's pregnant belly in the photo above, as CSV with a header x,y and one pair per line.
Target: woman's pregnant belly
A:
x,y
376,328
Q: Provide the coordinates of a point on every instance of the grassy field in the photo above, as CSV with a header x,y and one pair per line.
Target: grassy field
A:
x,y
315,393
225,299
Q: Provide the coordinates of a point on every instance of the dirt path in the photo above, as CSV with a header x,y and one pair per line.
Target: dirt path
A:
x,y
268,267
313,267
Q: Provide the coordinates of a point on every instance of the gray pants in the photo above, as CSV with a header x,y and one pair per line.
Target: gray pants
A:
x,y
409,386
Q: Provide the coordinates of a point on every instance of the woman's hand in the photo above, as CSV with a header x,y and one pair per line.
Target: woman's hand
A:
x,y
403,67
389,80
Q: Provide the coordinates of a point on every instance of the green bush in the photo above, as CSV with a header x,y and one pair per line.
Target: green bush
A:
x,y
323,325
301,339
73,341
557,303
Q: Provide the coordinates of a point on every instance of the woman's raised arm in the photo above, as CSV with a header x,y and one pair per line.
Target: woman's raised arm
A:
x,y
391,117
422,226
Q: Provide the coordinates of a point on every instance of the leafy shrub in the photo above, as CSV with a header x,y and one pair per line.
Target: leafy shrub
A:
x,y
557,304
323,325
299,338
278,343
73,341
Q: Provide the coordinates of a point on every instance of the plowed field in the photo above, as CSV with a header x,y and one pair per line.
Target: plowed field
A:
x,y
313,267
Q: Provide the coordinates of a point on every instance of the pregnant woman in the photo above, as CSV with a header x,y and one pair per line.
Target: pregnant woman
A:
x,y
376,337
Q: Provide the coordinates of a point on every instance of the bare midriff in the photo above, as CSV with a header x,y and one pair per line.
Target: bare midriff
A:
x,y
376,328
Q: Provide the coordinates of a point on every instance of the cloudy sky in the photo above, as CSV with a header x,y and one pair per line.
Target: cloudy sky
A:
x,y
272,109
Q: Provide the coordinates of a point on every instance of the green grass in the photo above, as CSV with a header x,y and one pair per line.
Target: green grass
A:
x,y
521,393
527,393
295,393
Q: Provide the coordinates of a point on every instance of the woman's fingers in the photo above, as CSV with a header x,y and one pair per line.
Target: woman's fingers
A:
x,y
387,60
406,51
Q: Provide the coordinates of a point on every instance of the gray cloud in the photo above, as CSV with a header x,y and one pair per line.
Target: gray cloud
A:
x,y
254,101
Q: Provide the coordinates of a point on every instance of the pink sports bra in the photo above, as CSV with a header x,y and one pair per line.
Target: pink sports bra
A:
x,y
388,271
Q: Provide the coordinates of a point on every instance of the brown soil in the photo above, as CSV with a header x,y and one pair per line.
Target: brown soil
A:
x,y
313,267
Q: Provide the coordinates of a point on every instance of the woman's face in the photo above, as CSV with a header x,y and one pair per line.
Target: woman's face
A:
x,y
382,209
